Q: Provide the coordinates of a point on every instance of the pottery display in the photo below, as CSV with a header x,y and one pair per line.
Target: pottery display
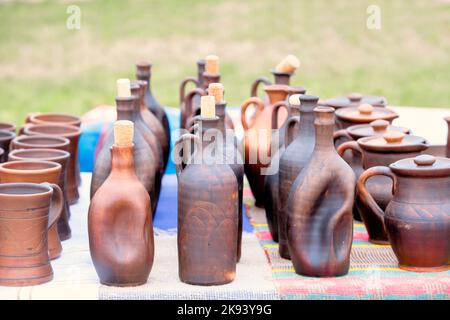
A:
x,y
72,133
319,224
5,140
354,99
33,208
119,222
417,219
257,138
143,72
58,156
37,172
364,113
296,156
381,151
5,126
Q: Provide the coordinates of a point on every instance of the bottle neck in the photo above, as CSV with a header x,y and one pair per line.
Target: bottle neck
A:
x,y
145,77
209,133
306,126
324,136
127,108
122,160
220,112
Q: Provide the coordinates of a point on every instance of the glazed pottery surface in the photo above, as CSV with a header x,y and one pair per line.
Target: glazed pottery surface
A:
x,y
5,140
58,156
355,99
36,172
364,113
319,224
27,211
417,219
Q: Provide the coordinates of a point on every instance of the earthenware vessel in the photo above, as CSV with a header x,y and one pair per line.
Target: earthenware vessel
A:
x,y
448,137
417,219
36,172
152,122
197,81
145,162
381,151
143,72
281,78
319,215
72,133
296,156
5,126
364,113
58,156
257,138
5,140
55,118
207,213
355,99
119,222
27,211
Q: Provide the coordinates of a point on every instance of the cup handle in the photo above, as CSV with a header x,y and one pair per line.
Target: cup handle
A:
x,y
290,125
256,83
276,108
259,108
352,145
343,133
364,195
56,205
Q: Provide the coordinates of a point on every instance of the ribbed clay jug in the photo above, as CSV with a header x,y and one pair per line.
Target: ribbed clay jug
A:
x,y
319,215
120,223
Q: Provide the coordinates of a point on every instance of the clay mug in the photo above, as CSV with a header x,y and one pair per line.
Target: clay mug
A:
x,y
36,172
5,126
54,118
5,140
27,212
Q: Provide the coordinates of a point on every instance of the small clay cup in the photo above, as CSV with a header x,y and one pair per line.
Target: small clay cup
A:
x,y
27,211
58,156
54,118
73,134
36,172
5,140
5,126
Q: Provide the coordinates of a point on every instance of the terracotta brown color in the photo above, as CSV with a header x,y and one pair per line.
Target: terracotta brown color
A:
x,y
120,224
207,215
72,133
279,78
417,218
54,118
319,216
364,113
293,161
5,126
381,151
5,140
258,136
27,211
354,99
36,172
143,72
197,81
448,137
58,156
191,107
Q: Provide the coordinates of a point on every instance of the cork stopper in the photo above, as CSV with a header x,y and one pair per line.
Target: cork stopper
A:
x,y
288,64
294,99
365,109
208,107
394,137
379,125
216,90
424,160
123,133
212,64
123,88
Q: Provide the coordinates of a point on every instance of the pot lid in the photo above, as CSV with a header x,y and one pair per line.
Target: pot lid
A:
x,y
354,99
393,141
375,128
365,113
422,165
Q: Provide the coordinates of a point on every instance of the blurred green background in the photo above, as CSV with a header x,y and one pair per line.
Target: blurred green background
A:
x,y
44,66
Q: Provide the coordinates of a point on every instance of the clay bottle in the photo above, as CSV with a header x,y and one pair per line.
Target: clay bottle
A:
x,y
319,217
145,162
293,160
120,224
207,209
143,72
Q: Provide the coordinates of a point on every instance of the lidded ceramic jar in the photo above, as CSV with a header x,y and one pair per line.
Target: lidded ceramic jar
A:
x,y
417,219
354,99
364,113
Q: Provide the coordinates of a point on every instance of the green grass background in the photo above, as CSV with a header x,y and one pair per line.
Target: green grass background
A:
x,y
45,67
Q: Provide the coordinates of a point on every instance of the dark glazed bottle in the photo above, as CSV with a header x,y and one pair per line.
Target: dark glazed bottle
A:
x,y
144,73
294,159
120,224
319,217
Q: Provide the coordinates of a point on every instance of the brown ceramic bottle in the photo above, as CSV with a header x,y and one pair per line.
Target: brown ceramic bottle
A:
x,y
73,134
364,113
143,72
27,211
293,160
319,215
207,214
354,99
257,138
36,172
120,224
417,219
58,156
5,140
381,151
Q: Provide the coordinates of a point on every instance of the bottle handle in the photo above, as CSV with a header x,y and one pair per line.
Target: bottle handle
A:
x,y
352,145
187,110
290,125
364,195
191,122
275,109
57,204
343,133
183,87
259,108
187,137
256,83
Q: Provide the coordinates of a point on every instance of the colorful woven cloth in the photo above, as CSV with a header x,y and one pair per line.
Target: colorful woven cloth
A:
x,y
373,271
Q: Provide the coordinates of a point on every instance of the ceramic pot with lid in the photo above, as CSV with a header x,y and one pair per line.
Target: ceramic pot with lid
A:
x,y
417,219
364,113
381,151
354,99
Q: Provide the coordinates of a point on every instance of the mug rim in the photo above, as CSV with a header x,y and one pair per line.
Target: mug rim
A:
x,y
71,119
51,167
58,154
45,188
60,142
74,130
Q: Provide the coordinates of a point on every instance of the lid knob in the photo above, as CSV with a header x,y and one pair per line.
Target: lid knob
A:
x,y
393,137
355,97
365,109
379,125
425,160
